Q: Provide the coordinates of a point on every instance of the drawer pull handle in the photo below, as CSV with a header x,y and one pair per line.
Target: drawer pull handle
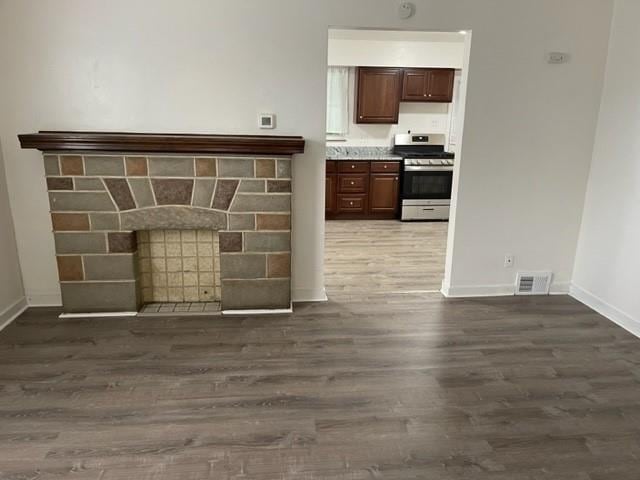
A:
x,y
385,166
351,203
353,166
353,183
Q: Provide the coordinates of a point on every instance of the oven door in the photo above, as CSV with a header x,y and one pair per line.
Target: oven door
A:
x,y
427,183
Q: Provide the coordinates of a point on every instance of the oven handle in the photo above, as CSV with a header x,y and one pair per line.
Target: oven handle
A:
x,y
427,169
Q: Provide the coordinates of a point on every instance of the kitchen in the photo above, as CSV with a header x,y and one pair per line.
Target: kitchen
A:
x,y
393,122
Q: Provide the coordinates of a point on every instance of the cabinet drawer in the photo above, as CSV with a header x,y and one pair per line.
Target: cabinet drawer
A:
x,y
331,166
385,167
352,203
353,167
352,183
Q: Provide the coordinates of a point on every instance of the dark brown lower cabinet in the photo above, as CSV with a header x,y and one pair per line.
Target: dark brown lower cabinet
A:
x,y
361,189
383,194
330,194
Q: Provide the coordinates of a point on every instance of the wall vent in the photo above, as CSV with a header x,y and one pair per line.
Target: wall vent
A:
x,y
533,283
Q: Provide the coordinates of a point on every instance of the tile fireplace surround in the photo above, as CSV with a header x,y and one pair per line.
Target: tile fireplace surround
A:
x,y
105,187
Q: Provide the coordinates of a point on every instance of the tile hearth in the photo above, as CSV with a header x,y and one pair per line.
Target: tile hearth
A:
x,y
181,308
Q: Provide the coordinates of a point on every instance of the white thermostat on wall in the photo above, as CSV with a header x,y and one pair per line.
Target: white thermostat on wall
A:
x,y
267,120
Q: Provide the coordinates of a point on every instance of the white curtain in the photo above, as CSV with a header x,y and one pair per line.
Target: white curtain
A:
x,y
338,100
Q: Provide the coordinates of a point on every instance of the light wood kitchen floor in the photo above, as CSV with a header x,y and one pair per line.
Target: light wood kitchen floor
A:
x,y
371,387
369,256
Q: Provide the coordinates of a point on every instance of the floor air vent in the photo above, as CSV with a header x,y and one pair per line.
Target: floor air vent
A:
x,y
533,283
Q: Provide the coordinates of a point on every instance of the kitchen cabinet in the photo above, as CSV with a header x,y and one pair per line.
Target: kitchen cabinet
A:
x,y
378,94
427,85
383,193
361,189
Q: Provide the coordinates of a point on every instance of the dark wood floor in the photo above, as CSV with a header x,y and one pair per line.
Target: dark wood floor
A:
x,y
377,387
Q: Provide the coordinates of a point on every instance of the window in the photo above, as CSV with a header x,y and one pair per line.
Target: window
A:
x,y
337,100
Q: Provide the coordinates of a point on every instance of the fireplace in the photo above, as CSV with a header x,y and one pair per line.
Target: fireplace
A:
x,y
140,218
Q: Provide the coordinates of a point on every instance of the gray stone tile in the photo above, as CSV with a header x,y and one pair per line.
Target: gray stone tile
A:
x,y
142,192
172,191
242,221
251,186
186,218
203,194
253,294
279,186
121,193
80,243
225,190
267,242
59,183
236,167
104,221
242,265
284,168
109,267
171,166
51,165
108,165
91,184
81,202
246,202
91,297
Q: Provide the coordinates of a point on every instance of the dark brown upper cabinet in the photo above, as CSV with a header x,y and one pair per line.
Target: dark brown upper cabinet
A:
x,y
427,85
378,94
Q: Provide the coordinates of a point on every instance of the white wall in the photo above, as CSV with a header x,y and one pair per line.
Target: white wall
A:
x,y
379,48
11,292
608,257
207,66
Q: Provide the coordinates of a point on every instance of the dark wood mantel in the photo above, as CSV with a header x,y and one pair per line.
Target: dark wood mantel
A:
x,y
49,141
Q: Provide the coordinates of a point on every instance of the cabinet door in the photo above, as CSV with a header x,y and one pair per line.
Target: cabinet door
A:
x,y
383,194
414,85
440,85
330,195
378,95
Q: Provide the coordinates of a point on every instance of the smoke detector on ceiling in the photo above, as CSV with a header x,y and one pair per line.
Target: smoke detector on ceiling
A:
x,y
406,10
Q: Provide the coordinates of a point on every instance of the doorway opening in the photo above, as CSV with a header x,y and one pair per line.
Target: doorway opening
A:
x,y
395,109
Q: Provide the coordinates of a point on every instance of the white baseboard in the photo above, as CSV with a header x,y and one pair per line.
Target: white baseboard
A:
x,y
36,299
259,311
309,295
623,319
12,312
98,314
494,290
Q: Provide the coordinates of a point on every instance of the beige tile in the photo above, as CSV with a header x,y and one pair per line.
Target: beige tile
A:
x,y
172,235
205,235
143,236
174,264
175,294
156,236
147,295
159,279
174,279
189,264
145,265
205,250
205,264
190,279
157,250
206,279
207,294
188,235
145,280
189,250
158,265
160,295
144,251
190,294
173,250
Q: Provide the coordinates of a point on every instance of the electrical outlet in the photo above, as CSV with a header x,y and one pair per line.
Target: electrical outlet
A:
x,y
508,261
